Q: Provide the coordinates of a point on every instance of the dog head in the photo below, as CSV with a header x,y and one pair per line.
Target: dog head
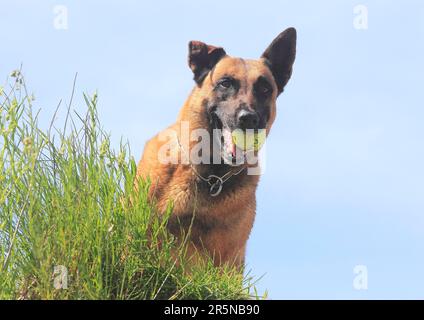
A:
x,y
239,93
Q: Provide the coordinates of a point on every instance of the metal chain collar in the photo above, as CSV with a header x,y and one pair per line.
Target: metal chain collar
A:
x,y
215,182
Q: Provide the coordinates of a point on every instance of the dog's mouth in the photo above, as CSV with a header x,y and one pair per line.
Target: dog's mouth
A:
x,y
223,139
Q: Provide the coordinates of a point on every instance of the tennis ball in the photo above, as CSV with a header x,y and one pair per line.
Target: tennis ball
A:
x,y
249,140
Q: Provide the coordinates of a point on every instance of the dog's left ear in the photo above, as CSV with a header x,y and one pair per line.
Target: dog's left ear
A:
x,y
280,55
202,58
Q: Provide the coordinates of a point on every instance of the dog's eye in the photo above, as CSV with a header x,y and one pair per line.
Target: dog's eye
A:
x,y
264,90
226,83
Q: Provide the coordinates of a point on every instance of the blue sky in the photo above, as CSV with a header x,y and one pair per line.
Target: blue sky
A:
x,y
344,181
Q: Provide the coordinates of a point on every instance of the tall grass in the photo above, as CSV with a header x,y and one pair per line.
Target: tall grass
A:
x,y
73,225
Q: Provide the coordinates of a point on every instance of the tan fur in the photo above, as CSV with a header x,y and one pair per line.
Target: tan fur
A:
x,y
230,216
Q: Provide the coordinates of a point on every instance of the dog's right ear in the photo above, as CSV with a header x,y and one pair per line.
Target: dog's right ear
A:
x,y
202,58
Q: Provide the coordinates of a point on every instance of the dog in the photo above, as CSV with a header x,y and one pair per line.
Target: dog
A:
x,y
215,203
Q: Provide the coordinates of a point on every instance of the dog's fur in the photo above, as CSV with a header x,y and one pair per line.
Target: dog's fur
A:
x,y
221,225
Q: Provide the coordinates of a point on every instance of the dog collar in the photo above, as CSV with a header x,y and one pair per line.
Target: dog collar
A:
x,y
215,182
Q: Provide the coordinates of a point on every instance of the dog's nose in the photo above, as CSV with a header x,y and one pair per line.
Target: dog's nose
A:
x,y
247,120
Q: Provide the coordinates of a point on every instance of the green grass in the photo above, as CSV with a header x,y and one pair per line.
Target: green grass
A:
x,y
69,205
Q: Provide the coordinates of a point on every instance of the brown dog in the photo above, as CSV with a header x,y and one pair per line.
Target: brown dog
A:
x,y
217,200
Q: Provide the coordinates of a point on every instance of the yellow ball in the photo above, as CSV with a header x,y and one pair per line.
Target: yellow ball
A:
x,y
249,140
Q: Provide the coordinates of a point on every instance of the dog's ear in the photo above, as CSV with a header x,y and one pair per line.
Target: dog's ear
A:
x,y
280,55
202,58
